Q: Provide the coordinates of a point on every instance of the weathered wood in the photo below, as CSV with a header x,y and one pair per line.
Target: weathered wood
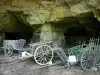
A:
x,y
17,44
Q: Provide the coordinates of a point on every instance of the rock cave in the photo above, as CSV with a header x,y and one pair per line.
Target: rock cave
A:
x,y
71,19
64,22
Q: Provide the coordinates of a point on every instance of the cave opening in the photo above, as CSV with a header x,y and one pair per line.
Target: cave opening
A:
x,y
18,35
75,35
18,29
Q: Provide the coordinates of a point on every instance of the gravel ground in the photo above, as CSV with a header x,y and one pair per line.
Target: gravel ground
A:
x,y
28,67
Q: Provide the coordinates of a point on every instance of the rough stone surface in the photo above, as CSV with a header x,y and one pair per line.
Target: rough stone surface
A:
x,y
43,11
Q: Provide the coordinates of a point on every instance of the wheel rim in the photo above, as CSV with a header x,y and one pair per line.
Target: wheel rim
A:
x,y
88,59
9,50
43,55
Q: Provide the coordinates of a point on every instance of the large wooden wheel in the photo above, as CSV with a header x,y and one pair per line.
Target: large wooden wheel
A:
x,y
88,59
43,55
9,50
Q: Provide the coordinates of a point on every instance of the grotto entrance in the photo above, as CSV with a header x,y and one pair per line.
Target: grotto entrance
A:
x,y
15,29
76,35
18,35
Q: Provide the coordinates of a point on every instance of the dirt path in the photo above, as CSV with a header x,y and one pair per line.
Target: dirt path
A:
x,y
28,67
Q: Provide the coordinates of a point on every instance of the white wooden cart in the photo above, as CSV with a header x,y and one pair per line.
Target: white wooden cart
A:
x,y
42,53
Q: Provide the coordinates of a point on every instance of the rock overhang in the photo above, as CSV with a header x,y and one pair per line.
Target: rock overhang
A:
x,y
71,13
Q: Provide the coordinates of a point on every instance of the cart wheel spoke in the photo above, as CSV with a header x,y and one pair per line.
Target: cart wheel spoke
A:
x,y
45,59
48,58
39,59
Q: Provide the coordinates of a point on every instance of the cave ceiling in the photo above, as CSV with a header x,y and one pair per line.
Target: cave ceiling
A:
x,y
61,13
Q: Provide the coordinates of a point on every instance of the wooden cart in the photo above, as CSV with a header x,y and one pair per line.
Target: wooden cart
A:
x,y
42,53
